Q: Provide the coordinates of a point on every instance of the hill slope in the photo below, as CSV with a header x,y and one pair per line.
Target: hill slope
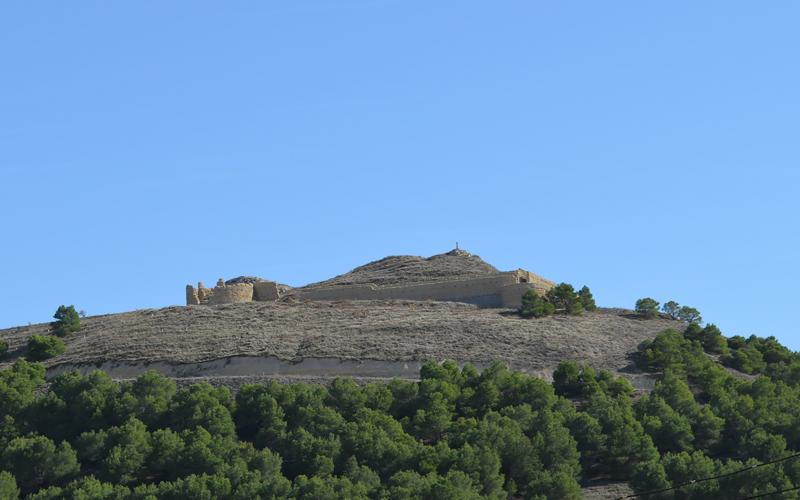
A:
x,y
456,264
371,339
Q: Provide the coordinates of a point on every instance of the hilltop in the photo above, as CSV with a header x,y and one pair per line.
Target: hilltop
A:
x,y
407,269
456,276
293,337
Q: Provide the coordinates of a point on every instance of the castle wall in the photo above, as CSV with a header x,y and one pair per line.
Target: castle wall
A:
x,y
481,291
511,295
203,293
264,291
240,292
496,290
191,296
354,292
450,290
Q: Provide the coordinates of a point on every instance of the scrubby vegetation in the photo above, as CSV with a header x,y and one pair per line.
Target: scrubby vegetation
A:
x,y
3,349
67,320
649,308
41,347
457,433
684,313
587,299
560,299
535,306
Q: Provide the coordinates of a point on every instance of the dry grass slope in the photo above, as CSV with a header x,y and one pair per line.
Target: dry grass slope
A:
x,y
405,269
368,330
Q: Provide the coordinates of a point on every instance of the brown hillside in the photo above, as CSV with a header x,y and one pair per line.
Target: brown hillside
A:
x,y
328,339
456,264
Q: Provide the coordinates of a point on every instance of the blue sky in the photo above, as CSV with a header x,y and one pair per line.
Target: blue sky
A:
x,y
642,148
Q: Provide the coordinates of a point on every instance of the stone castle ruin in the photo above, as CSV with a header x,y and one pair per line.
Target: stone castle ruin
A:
x,y
254,290
456,276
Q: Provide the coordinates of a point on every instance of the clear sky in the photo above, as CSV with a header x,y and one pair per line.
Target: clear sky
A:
x,y
641,148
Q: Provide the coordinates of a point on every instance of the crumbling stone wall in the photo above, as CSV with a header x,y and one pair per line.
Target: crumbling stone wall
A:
x,y
264,291
191,296
240,292
496,290
196,296
243,291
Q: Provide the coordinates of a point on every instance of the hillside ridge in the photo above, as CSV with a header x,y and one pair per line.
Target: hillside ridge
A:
x,y
344,332
406,269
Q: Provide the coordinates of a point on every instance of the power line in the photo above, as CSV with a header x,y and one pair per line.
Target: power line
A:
x,y
728,474
772,493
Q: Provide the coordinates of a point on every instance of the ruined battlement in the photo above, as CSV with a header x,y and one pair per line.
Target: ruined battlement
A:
x,y
496,289
229,293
